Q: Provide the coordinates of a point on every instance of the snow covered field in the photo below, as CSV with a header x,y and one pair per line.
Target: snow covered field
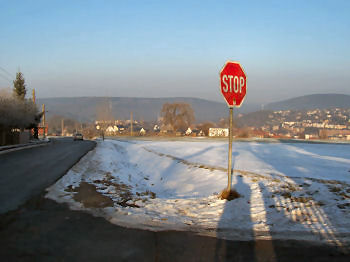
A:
x,y
288,191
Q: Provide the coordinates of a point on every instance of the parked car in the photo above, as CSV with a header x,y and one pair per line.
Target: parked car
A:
x,y
78,136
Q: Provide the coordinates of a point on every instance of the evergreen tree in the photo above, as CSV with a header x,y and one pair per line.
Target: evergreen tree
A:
x,y
19,87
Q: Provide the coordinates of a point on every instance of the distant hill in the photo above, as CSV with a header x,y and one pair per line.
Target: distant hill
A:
x,y
147,109
258,118
320,101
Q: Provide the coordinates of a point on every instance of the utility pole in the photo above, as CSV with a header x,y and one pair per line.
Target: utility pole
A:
x,y
44,124
35,129
62,126
131,122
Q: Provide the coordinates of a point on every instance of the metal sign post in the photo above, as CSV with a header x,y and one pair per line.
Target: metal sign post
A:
x,y
229,170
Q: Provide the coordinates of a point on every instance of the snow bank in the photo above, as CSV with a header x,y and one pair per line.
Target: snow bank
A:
x,y
297,191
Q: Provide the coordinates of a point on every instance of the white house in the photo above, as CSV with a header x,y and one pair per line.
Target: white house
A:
x,y
112,130
188,131
142,132
214,131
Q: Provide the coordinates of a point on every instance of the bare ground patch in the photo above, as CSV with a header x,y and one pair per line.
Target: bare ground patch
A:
x,y
87,195
122,193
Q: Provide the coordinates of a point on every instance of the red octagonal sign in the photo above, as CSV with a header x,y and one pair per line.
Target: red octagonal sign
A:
x,y
233,84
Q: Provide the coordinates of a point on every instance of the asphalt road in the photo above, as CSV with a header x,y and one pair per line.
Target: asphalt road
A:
x,y
27,172
43,230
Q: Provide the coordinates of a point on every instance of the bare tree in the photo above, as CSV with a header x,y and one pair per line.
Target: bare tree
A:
x,y
244,133
104,111
225,122
179,116
89,131
104,115
17,113
323,134
205,127
55,124
301,135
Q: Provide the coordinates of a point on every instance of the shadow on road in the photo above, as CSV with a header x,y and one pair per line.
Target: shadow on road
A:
x,y
43,230
225,251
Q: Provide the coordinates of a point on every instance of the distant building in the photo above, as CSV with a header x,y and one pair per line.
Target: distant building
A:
x,y
188,131
258,133
215,131
142,132
112,130
121,127
178,134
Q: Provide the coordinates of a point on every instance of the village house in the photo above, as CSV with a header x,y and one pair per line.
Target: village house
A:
x,y
216,131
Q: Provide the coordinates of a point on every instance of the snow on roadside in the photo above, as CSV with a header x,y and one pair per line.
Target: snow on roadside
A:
x,y
297,191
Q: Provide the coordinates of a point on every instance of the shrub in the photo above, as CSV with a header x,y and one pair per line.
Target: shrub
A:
x,y
16,113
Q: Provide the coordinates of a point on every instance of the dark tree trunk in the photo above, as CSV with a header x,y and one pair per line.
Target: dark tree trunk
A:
x,y
36,133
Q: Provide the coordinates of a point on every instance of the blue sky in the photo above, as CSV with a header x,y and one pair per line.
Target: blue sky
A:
x,y
176,48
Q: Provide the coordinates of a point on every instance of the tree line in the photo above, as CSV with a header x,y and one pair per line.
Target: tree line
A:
x,y
17,112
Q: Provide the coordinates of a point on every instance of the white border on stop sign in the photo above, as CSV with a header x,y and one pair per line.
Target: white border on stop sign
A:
x,y
233,62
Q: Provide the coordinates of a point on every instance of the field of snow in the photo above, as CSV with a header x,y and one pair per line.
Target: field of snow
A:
x,y
288,190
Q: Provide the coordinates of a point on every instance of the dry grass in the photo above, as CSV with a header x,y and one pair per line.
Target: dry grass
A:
x,y
301,199
329,182
147,193
286,194
229,195
343,206
290,187
334,189
344,195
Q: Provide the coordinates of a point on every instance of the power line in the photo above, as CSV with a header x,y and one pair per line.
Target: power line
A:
x,y
4,70
5,77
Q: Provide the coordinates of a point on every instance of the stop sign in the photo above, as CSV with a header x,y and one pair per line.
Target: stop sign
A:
x,y
233,84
